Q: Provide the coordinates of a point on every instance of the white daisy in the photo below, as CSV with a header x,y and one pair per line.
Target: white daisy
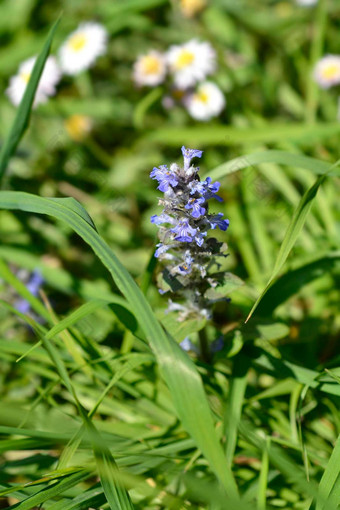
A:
x,y
208,101
149,69
82,48
191,62
47,85
327,71
306,3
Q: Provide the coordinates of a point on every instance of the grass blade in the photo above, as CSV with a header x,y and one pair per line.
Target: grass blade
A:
x,y
236,400
217,135
178,370
50,491
272,156
293,231
23,114
329,477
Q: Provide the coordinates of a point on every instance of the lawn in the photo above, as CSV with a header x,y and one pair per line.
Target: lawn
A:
x,y
170,254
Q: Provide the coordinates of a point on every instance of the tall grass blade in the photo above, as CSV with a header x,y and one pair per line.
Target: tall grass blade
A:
x,y
23,114
178,370
292,233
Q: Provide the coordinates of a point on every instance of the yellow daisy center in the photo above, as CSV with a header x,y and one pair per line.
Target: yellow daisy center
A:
x,y
178,94
151,65
192,7
202,96
78,126
25,77
330,71
77,42
184,59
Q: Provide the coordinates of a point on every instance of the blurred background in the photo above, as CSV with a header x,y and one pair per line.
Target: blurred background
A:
x,y
96,137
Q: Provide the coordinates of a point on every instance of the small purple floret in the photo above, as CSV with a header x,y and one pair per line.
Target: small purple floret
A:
x,y
165,177
217,221
34,284
184,231
206,189
199,238
188,155
161,248
185,268
162,218
196,206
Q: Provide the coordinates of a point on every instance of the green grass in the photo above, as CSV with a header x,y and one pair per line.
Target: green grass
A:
x,y
100,407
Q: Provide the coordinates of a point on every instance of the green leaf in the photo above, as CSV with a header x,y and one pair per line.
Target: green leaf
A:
x,y
115,493
285,369
230,283
235,402
23,114
329,478
291,282
292,233
91,498
177,368
180,330
226,136
110,478
280,157
51,491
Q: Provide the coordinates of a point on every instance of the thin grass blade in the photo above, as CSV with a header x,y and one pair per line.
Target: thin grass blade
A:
x,y
23,114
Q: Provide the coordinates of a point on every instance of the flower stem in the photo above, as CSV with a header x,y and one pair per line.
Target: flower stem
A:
x,y
204,346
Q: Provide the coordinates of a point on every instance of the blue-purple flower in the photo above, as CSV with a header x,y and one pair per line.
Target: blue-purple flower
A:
x,y
184,232
187,345
161,219
206,189
161,249
199,238
34,284
186,266
166,178
216,220
196,205
188,155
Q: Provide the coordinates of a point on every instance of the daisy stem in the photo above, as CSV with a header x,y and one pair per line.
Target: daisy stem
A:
x,y
312,95
84,85
98,152
204,346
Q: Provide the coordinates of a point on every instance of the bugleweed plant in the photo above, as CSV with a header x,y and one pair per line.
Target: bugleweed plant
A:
x,y
173,372
184,224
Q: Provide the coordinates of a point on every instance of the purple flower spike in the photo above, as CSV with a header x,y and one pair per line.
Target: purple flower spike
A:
x,y
184,231
188,155
188,256
196,206
165,177
217,221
